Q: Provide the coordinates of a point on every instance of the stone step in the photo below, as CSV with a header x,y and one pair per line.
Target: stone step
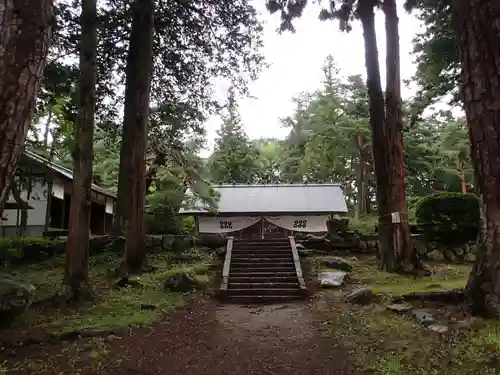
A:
x,y
263,285
263,246
262,265
256,268
263,279
260,241
262,273
265,299
259,258
262,260
264,292
262,251
269,254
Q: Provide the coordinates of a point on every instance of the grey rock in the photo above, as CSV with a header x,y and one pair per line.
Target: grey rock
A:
x,y
113,338
335,238
423,316
337,263
181,282
15,298
167,242
331,279
438,328
361,296
400,308
211,240
299,246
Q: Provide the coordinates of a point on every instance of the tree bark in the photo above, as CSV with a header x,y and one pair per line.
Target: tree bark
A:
x,y
123,195
25,34
478,33
135,127
377,123
461,176
77,247
402,256
361,184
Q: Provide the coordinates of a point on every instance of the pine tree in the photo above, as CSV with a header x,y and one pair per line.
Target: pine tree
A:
x,y
235,158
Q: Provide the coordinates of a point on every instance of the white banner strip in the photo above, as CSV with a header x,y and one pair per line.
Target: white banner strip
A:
x,y
311,224
211,224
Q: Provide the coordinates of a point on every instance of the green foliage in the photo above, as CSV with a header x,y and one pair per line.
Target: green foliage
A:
x,y
329,140
449,217
17,249
438,73
235,158
188,225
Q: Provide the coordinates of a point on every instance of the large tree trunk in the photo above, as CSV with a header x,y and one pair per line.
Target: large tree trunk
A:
x,y
135,127
479,49
361,177
123,195
461,176
25,34
377,123
402,257
396,252
77,247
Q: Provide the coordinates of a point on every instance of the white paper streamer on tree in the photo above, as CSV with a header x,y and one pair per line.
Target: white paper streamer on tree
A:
x,y
215,224
311,224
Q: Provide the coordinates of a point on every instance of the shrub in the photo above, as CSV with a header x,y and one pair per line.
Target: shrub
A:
x,y
22,249
450,218
188,225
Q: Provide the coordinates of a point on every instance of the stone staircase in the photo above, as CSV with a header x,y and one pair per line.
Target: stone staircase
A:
x,y
262,271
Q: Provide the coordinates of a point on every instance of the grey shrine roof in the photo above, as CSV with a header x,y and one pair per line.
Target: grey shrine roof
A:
x,y
275,199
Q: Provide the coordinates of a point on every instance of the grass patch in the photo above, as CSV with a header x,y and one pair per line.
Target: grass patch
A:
x,y
390,344
115,307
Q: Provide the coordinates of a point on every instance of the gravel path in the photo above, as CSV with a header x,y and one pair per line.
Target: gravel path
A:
x,y
206,338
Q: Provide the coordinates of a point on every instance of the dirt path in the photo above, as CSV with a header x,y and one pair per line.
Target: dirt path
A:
x,y
212,339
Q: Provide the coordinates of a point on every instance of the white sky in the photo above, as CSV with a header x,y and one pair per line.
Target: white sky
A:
x,y
295,66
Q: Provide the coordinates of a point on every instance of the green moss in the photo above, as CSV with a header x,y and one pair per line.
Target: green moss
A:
x,y
115,307
386,343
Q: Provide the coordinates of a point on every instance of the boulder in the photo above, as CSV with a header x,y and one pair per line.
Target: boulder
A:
x,y
15,298
300,246
399,308
176,243
331,279
167,242
423,316
181,282
362,296
337,225
335,238
337,263
211,240
439,328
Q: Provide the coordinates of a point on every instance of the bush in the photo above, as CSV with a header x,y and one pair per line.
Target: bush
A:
x,y
22,249
449,218
188,225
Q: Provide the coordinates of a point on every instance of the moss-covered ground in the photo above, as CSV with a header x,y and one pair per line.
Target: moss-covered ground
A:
x,y
386,343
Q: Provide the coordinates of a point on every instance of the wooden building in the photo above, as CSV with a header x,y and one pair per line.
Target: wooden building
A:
x,y
269,211
34,176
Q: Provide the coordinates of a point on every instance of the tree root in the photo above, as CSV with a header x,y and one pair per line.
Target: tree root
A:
x,y
455,297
